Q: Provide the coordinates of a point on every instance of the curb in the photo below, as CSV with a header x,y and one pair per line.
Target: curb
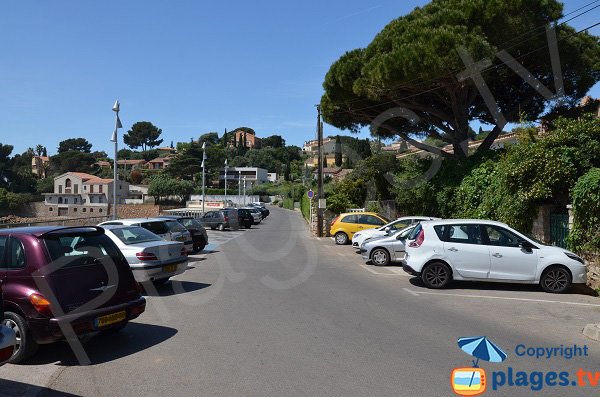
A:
x,y
592,331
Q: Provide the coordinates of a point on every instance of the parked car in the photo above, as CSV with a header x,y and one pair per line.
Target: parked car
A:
x,y
221,219
256,214
8,338
264,210
197,231
477,250
382,251
344,226
167,229
50,272
151,258
384,230
246,217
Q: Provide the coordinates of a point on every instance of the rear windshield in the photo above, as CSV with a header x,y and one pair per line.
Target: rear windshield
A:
x,y
81,249
415,232
134,235
175,226
191,223
157,227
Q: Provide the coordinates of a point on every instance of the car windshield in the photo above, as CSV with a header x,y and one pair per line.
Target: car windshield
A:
x,y
175,226
134,235
157,227
413,234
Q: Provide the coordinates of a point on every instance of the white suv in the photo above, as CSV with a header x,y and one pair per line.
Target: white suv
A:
x,y
478,250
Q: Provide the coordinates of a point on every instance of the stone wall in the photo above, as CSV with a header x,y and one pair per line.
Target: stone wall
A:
x,y
592,260
142,210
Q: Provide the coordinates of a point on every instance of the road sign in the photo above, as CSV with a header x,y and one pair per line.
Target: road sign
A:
x,y
322,203
310,194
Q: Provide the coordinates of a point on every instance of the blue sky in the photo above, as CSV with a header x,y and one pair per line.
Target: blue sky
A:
x,y
186,66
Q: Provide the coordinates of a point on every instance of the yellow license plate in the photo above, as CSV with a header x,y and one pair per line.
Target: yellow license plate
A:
x,y
170,268
111,319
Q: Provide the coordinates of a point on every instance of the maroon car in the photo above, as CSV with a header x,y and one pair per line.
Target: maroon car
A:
x,y
64,281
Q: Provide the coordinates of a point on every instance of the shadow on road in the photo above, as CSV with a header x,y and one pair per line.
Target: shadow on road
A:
x,y
577,289
103,348
11,388
175,287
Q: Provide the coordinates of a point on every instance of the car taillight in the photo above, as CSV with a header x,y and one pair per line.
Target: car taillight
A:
x,y
226,218
146,256
334,220
40,304
418,241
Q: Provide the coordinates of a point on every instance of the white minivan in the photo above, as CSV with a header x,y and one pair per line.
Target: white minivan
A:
x,y
478,250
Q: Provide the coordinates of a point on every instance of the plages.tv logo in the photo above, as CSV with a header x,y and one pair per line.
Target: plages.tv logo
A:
x,y
472,381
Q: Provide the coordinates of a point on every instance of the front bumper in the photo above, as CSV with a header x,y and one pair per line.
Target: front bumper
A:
x,y
49,330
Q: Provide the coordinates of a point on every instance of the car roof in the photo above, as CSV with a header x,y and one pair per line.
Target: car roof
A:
x,y
132,221
463,221
38,231
359,213
112,227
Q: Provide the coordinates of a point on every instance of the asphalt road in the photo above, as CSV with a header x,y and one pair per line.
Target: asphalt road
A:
x,y
273,312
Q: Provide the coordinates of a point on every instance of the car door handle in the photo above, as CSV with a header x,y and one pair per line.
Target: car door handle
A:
x,y
453,249
497,255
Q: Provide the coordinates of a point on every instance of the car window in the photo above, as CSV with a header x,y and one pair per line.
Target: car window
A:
x,y
404,234
370,220
156,227
350,219
501,237
191,223
175,226
415,232
133,235
401,225
3,244
16,254
465,234
81,250
440,230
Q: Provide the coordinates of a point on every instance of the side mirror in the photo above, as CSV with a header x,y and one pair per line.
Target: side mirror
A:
x,y
526,245
388,230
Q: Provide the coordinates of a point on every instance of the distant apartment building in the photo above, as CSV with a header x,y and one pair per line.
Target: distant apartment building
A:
x,y
78,193
254,176
313,162
312,147
158,163
39,165
252,141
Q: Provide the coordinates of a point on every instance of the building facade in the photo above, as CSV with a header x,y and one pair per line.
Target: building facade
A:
x,y
254,176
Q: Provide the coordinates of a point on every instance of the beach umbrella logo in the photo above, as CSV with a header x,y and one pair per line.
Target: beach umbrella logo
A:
x,y
469,381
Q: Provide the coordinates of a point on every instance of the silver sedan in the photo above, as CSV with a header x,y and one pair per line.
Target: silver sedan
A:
x,y
382,251
150,257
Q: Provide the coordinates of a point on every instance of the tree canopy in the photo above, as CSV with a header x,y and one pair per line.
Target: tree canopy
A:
x,y
75,144
143,134
273,141
416,63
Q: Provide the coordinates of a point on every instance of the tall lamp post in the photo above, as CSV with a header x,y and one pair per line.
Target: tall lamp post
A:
x,y
239,187
203,172
244,190
116,108
226,168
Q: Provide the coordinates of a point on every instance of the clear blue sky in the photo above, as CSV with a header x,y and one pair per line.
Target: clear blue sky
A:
x,y
187,66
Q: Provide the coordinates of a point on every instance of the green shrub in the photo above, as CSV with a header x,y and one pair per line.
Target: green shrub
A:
x,y
585,235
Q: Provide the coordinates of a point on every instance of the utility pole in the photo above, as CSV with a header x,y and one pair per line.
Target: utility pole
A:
x,y
244,190
321,193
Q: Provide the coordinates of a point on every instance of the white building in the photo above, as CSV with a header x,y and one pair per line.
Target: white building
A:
x,y
272,177
254,176
77,193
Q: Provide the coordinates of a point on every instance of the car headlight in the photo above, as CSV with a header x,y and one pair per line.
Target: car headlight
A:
x,y
574,257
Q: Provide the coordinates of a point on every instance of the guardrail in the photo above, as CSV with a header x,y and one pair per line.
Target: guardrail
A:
x,y
88,221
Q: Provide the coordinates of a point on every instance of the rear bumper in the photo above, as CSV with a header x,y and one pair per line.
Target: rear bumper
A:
x,y
46,331
150,272
410,270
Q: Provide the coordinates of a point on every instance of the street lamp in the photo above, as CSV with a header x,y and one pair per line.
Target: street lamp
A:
x,y
203,172
239,187
226,168
116,107
244,190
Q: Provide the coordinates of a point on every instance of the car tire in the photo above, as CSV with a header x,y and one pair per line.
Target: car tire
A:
x,y
436,275
199,247
221,227
26,346
341,238
556,280
380,257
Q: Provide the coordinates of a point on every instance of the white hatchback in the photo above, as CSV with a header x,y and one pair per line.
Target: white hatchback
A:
x,y
384,230
478,250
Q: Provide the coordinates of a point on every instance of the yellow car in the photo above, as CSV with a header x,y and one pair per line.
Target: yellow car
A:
x,y
344,226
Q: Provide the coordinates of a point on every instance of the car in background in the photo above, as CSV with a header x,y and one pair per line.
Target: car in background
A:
x,y
8,339
264,210
246,217
151,258
256,214
384,230
479,250
381,251
167,229
197,231
344,226
221,219
49,275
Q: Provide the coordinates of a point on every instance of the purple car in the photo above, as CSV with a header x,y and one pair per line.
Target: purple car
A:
x,y
61,281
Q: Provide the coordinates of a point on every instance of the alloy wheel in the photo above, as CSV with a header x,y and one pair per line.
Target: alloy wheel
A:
x,y
556,280
436,275
15,327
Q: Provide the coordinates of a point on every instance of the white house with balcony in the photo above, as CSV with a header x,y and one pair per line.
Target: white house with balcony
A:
x,y
80,194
